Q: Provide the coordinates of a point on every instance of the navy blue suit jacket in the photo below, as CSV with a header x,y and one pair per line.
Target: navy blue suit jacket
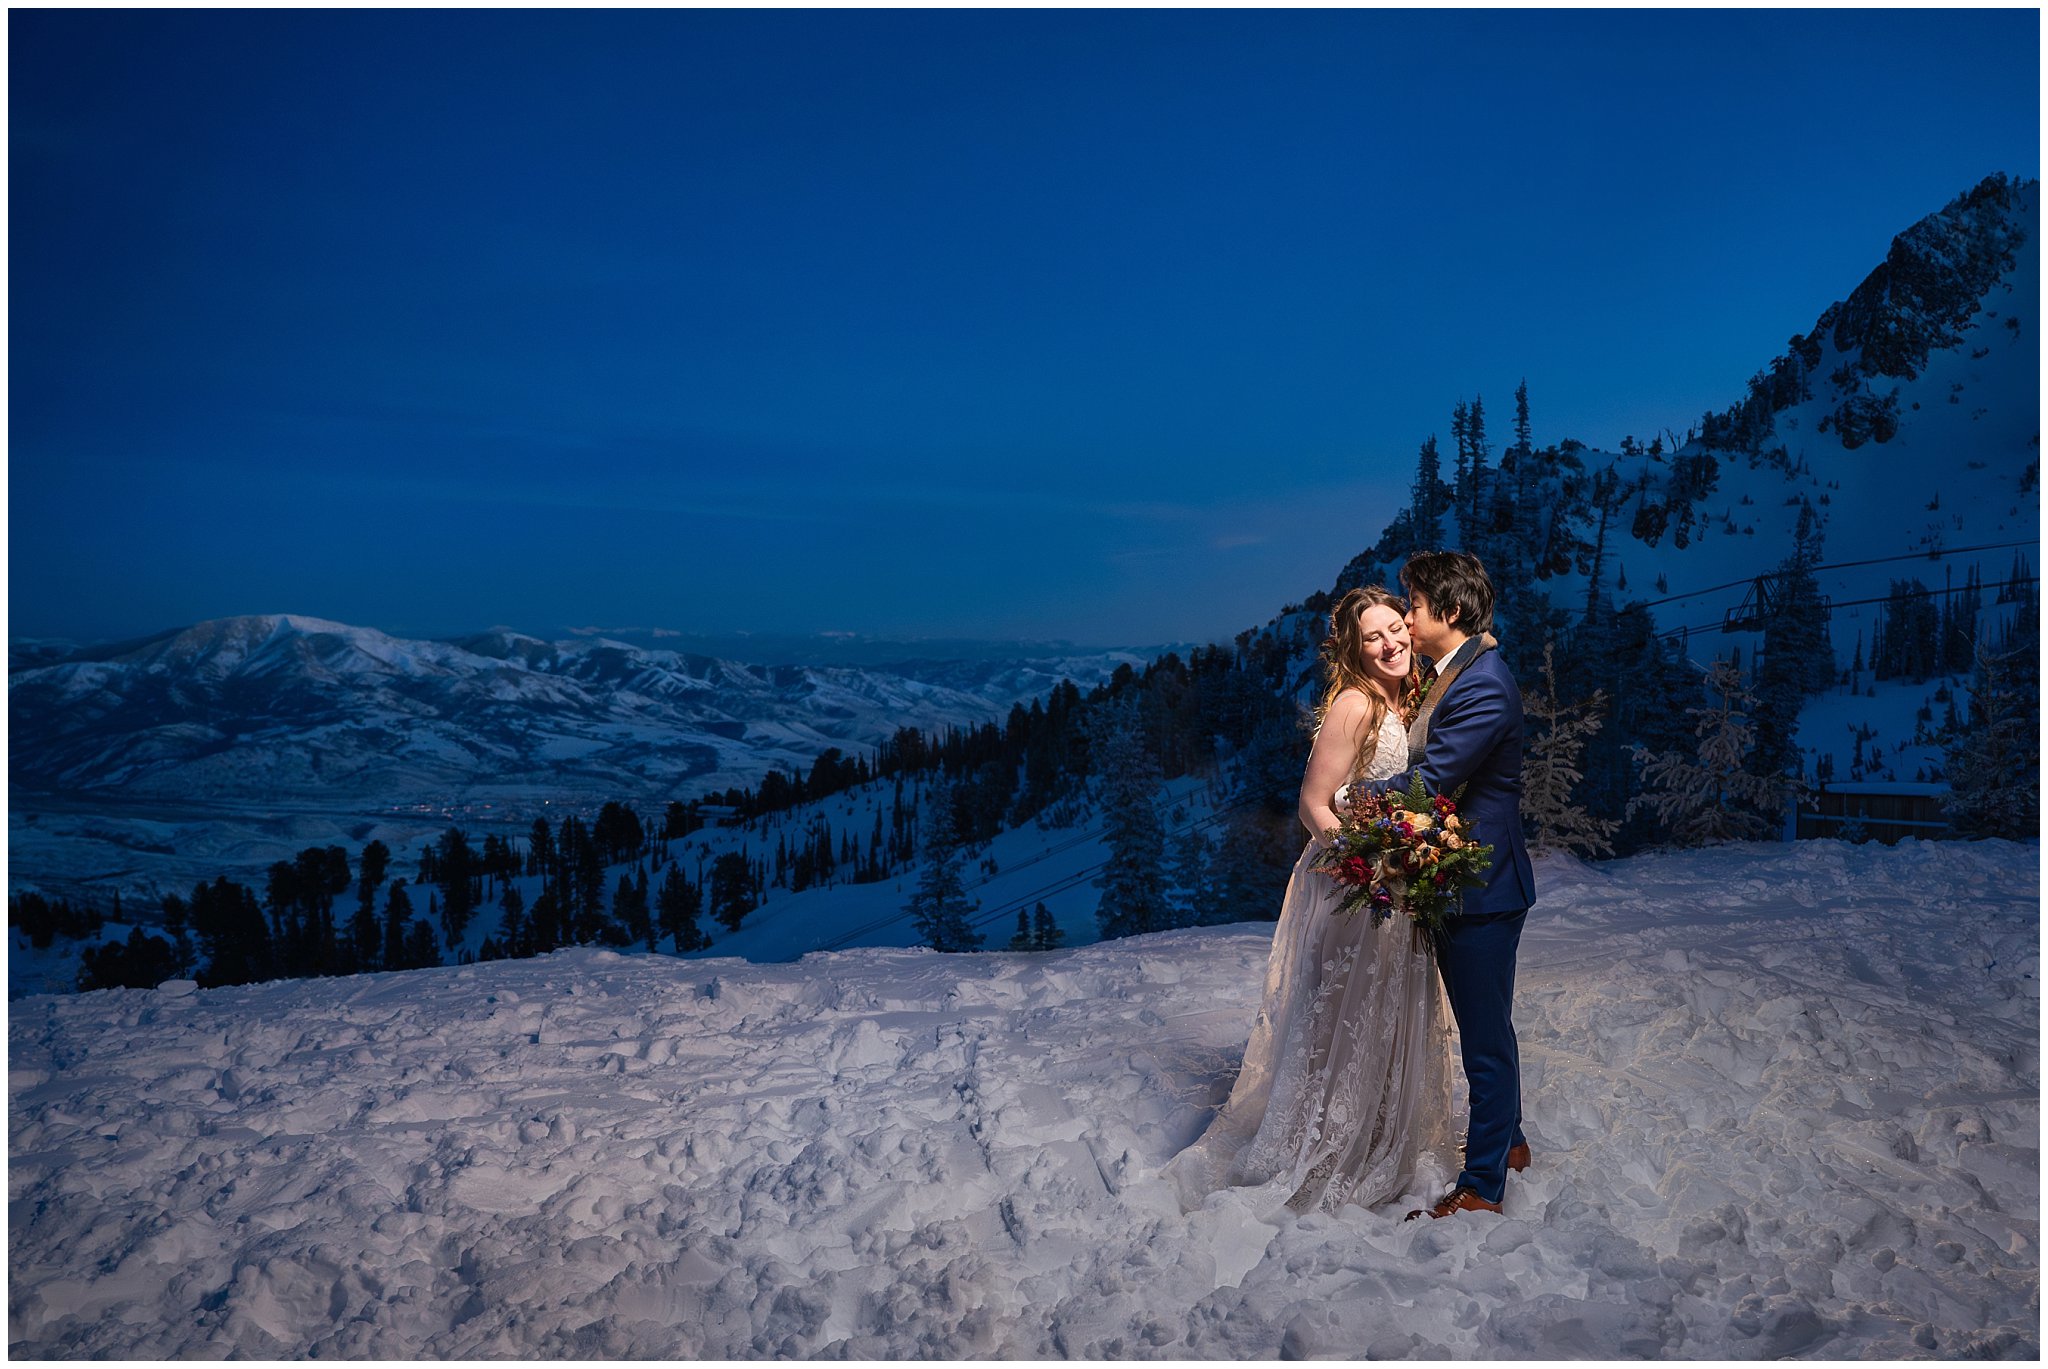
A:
x,y
1475,739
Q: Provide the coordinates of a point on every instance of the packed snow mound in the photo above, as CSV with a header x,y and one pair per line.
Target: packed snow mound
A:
x,y
1784,1101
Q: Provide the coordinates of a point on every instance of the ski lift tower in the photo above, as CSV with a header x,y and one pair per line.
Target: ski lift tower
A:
x,y
1757,606
1766,596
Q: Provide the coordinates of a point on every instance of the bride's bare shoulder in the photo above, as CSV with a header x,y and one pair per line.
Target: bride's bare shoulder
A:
x,y
1348,709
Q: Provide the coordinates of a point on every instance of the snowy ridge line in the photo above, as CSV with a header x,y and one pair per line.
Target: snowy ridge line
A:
x,y
1851,603
1938,555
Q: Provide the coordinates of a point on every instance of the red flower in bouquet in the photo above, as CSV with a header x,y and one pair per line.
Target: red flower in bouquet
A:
x,y
1403,852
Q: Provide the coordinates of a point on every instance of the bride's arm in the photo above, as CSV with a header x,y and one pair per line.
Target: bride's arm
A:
x,y
1329,763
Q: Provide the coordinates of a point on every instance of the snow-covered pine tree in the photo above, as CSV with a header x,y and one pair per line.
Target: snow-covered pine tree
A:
x,y
1994,766
939,907
1550,769
1709,796
1133,879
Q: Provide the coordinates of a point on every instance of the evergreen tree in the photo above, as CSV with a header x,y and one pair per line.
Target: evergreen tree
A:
x,y
1045,932
422,952
1022,939
1994,765
1709,796
282,895
1550,769
229,924
1461,469
455,871
540,850
939,907
1959,635
143,962
1133,881
678,904
1475,437
630,921
513,939
368,933
545,929
1246,876
1189,879
584,863
732,889
1798,659
1649,685
1523,432
397,914
1910,634
178,921
1428,499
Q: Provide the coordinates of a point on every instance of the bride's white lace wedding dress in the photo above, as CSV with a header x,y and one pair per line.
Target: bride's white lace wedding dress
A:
x,y
1346,1083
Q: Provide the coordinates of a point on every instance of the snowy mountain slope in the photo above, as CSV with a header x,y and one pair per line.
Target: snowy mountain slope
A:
x,y
1908,416
1961,470
1784,1102
260,730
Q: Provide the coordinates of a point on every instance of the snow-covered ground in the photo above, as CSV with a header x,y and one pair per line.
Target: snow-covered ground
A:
x,y
1784,1100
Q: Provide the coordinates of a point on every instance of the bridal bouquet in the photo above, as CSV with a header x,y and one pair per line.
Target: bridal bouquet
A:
x,y
1403,852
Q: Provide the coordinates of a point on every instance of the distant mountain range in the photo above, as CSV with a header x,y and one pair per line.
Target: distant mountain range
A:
x,y
301,709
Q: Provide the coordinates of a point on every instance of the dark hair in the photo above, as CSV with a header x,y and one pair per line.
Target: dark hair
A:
x,y
1452,580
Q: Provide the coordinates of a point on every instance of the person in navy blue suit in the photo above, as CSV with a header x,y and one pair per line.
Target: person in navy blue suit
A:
x,y
1469,733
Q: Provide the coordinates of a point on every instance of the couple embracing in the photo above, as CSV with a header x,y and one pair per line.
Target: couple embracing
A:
x,y
1345,1091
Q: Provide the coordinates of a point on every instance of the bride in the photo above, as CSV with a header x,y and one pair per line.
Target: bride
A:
x,y
1346,1078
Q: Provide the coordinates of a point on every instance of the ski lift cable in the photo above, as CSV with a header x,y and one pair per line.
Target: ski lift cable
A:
x,y
1017,904
1853,603
1841,565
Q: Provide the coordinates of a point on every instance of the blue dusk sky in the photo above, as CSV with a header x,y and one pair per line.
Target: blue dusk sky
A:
x,y
1119,327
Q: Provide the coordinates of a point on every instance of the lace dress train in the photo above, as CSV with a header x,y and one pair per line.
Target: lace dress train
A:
x,y
1345,1090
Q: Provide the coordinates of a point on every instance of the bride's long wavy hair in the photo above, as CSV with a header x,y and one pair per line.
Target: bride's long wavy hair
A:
x,y
1344,668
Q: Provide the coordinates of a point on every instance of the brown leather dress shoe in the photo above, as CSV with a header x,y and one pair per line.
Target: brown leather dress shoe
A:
x,y
1459,1199
1518,1157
